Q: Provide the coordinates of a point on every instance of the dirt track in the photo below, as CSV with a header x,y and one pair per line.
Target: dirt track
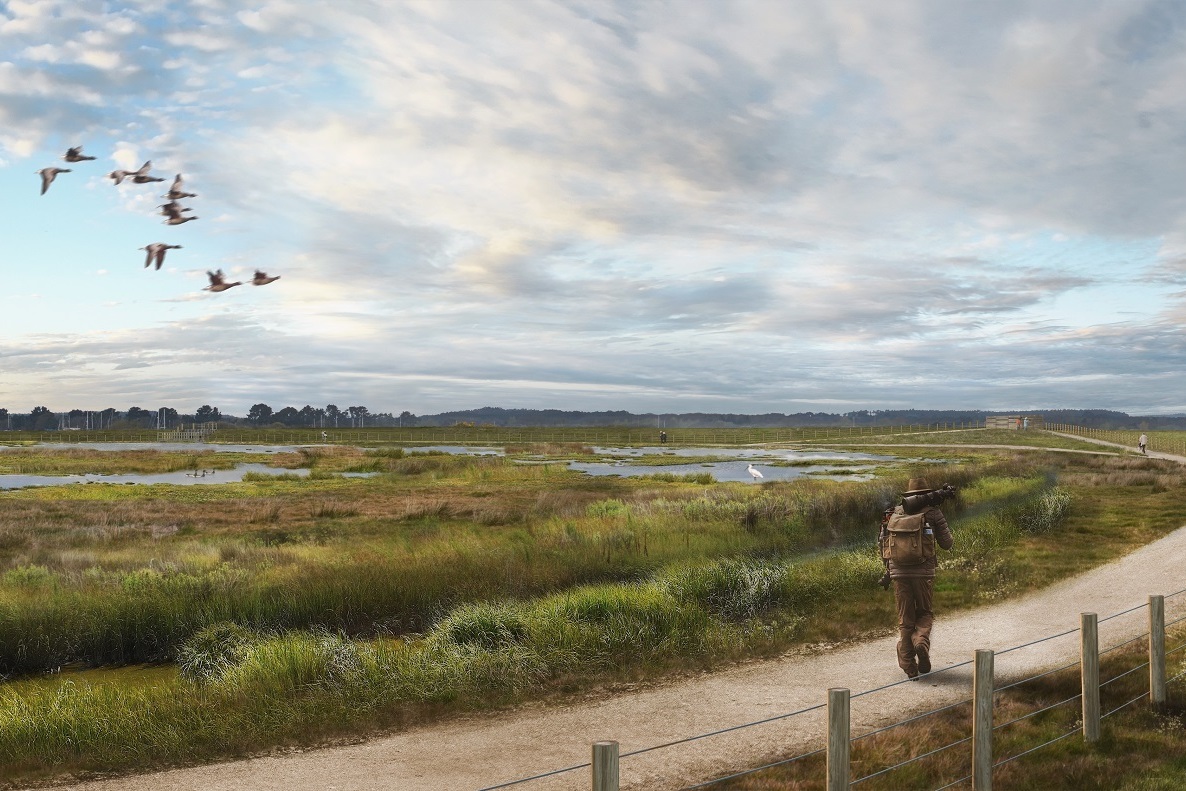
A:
x,y
478,752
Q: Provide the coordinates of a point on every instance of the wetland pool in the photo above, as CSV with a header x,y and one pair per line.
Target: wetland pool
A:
x,y
179,478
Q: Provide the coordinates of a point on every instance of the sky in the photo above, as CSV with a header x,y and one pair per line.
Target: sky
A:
x,y
825,205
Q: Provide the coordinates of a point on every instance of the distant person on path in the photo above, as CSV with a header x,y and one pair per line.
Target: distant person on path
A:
x,y
1142,442
1025,424
910,562
324,436
662,437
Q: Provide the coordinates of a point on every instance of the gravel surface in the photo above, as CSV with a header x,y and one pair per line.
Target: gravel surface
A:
x,y
483,751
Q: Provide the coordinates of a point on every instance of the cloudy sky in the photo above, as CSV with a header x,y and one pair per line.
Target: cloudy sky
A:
x,y
598,204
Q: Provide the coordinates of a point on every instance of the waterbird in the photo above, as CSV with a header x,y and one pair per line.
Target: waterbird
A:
x,y
178,220
118,176
156,252
173,209
177,191
756,473
261,278
141,176
218,282
48,175
75,155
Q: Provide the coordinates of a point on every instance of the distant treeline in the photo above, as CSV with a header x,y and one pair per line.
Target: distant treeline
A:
x,y
497,416
331,416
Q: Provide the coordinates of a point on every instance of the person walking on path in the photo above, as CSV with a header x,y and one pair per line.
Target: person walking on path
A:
x,y
1142,442
907,544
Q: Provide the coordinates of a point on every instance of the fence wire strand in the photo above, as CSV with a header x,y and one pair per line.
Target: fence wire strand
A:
x,y
723,730
1034,678
707,783
1036,713
536,777
953,785
1004,761
900,764
1140,636
1176,621
1142,696
1040,640
1175,650
910,719
1124,612
1141,666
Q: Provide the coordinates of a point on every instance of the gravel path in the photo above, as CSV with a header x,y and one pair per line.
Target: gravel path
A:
x,y
482,751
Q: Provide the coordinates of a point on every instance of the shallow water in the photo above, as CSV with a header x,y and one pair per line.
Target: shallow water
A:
x,y
193,447
737,470
724,470
182,478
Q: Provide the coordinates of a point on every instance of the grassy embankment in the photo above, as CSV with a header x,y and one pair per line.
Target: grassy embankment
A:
x,y
461,582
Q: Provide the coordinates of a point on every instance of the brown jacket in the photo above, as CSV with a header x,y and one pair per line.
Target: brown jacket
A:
x,y
941,534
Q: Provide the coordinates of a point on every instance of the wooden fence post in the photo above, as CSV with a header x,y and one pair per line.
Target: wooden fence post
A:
x,y
982,689
838,739
1157,652
1090,670
605,766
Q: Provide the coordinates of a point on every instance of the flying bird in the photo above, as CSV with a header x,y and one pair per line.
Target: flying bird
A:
x,y
178,220
75,155
141,176
755,472
118,176
173,209
218,282
177,191
261,278
156,252
48,175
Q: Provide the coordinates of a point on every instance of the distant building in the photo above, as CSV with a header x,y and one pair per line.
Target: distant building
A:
x,y
1014,422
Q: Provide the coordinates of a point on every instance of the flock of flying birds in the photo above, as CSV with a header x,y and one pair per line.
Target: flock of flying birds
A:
x,y
173,211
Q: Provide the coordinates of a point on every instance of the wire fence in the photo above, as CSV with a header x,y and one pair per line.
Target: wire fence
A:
x,y
1145,695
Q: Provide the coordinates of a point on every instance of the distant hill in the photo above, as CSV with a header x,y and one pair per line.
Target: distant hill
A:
x,y
498,416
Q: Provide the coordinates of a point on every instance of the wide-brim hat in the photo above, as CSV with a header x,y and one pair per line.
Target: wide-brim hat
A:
x,y
917,486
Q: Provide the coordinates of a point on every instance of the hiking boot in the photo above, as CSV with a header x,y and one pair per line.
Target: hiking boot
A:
x,y
912,674
924,659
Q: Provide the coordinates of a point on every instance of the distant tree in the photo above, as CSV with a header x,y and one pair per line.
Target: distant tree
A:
x,y
289,416
41,419
4,420
309,415
358,415
259,413
333,413
140,418
406,418
207,414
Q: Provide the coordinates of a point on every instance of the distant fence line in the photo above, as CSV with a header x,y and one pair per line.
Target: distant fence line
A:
x,y
1168,441
484,434
604,766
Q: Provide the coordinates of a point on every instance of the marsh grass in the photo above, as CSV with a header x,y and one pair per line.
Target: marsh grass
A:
x,y
82,461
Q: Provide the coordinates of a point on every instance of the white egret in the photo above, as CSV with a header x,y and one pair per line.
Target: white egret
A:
x,y
755,472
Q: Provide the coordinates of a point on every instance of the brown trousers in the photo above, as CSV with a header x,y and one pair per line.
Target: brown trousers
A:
x,y
914,596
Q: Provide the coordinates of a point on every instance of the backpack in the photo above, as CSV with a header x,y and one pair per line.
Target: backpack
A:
x,y
904,543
